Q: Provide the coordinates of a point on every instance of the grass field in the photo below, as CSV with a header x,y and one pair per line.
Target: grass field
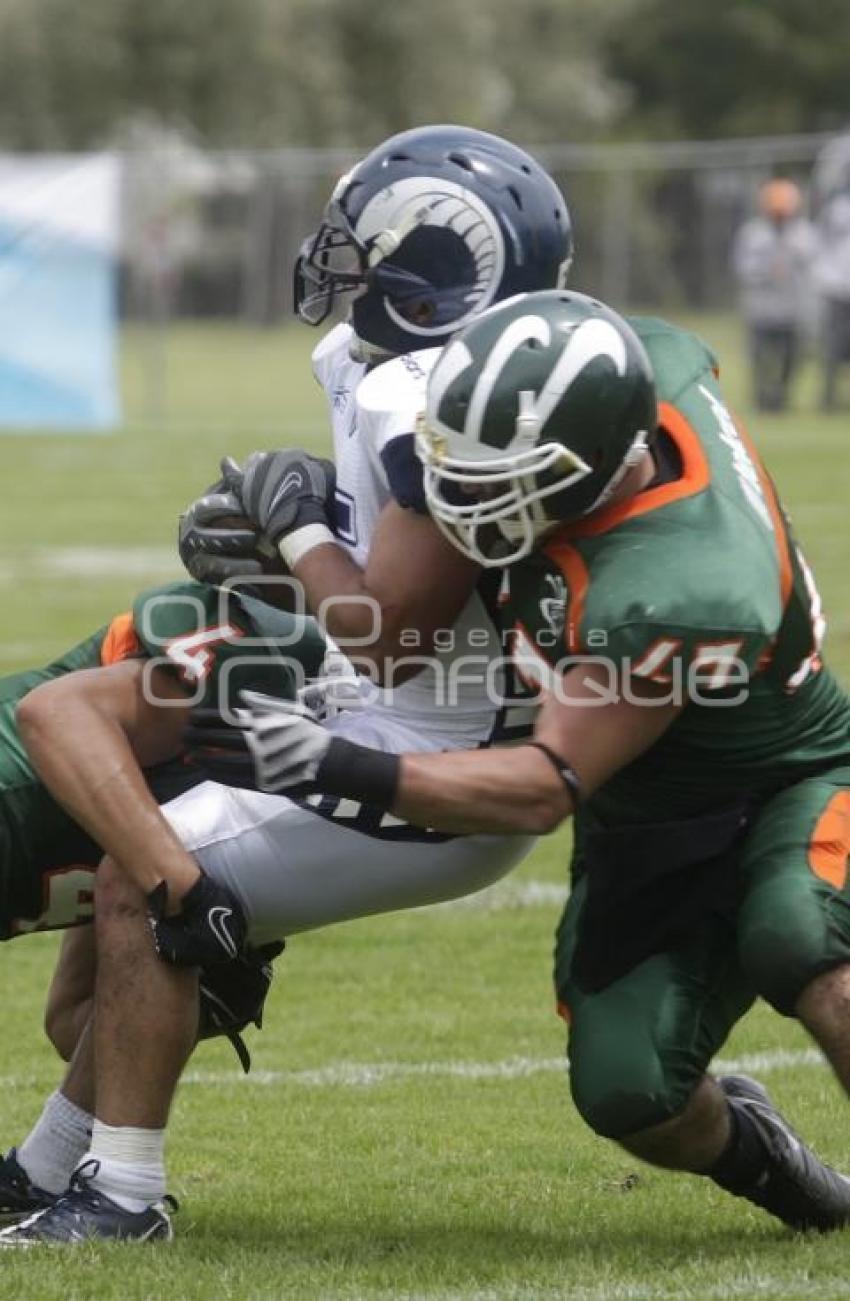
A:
x,y
407,1130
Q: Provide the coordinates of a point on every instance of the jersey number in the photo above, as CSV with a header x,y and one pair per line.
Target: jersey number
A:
x,y
69,900
194,654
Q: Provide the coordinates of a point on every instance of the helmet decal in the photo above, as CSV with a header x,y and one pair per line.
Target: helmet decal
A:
x,y
419,201
534,415
430,229
586,341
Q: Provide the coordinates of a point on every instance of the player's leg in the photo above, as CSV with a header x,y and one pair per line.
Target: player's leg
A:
x,y
640,1045
292,870
71,993
761,361
32,1174
795,919
639,1049
146,1021
794,943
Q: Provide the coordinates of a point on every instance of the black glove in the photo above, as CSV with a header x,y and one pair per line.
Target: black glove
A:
x,y
288,490
211,548
233,995
209,928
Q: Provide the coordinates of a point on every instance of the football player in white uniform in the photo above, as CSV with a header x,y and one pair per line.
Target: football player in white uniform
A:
x,y
430,229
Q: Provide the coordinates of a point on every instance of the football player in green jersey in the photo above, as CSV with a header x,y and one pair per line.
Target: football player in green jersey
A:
x,y
180,643
190,644
656,599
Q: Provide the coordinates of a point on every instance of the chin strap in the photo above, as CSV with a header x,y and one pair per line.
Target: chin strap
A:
x,y
360,350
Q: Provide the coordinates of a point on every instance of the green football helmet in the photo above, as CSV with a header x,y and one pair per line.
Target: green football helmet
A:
x,y
535,412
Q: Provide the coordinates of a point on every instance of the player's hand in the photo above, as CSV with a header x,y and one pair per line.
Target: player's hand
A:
x,y
276,746
337,689
209,928
285,491
211,548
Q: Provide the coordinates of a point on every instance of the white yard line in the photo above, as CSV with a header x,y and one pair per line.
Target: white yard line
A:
x,y
365,1075
751,1286
90,562
507,894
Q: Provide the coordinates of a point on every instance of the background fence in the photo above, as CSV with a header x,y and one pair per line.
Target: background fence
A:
x,y
216,234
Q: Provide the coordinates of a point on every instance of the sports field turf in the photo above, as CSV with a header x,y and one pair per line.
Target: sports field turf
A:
x,y
407,1130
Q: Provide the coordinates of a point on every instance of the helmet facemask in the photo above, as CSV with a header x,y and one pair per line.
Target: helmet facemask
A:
x,y
497,511
330,262
493,510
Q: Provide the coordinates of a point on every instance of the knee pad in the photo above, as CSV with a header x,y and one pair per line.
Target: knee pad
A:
x,y
617,1103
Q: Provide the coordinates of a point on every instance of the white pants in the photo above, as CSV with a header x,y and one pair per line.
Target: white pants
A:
x,y
294,870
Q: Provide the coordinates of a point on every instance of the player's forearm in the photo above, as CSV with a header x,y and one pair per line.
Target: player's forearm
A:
x,y
85,758
362,621
500,790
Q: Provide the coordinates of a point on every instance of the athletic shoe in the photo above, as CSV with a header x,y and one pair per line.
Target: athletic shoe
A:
x,y
18,1194
83,1214
795,1186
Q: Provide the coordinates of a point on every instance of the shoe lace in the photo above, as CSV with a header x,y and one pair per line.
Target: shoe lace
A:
x,y
80,1186
81,1179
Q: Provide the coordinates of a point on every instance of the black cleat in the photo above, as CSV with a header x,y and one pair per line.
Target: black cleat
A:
x,y
82,1215
795,1185
18,1194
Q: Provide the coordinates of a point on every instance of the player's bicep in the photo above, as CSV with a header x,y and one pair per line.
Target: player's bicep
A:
x,y
599,723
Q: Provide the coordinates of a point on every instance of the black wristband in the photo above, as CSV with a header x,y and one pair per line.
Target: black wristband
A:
x,y
359,773
568,775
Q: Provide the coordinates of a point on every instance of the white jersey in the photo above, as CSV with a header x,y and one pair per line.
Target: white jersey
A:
x,y
373,416
299,864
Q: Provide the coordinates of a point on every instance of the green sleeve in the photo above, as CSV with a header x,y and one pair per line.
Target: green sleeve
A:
x,y
643,634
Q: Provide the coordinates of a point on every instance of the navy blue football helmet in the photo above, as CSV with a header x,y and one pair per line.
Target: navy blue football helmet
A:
x,y
427,231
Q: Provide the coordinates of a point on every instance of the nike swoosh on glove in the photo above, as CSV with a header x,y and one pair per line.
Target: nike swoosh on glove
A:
x,y
287,490
209,929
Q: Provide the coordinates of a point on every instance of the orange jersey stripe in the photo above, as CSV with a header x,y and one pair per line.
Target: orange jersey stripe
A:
x,y
696,475
120,642
829,847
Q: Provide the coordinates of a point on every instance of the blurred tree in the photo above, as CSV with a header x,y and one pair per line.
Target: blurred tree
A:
x,y
348,72
735,67
302,72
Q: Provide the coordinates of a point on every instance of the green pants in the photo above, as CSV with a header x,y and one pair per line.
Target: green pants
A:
x,y
639,1046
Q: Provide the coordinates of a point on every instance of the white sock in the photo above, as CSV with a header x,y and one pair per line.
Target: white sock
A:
x,y
54,1145
131,1164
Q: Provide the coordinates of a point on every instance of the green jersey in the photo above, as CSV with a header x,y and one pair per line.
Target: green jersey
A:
x,y
216,643
696,584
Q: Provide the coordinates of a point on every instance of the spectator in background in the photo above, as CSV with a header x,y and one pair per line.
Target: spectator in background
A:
x,y
832,278
773,258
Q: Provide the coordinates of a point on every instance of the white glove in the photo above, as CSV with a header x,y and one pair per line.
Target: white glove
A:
x,y
324,698
285,741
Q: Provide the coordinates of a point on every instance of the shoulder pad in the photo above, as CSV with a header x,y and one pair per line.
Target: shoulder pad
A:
x,y
391,397
401,379
678,357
